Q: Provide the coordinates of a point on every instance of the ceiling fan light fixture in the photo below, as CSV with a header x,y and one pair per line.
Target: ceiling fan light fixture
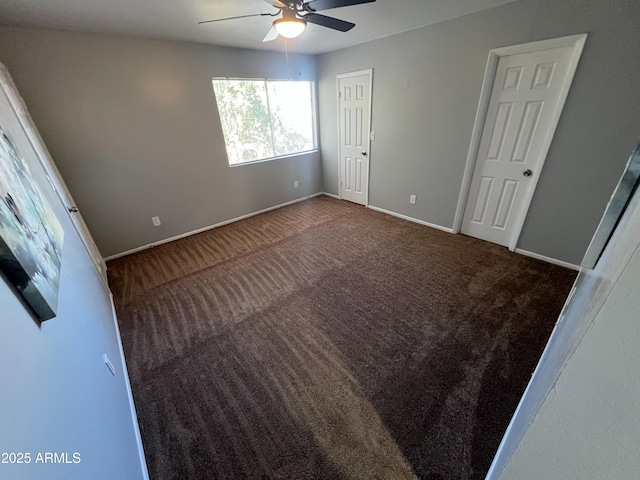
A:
x,y
289,27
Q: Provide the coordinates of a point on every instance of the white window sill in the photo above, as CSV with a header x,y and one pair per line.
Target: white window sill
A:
x,y
262,160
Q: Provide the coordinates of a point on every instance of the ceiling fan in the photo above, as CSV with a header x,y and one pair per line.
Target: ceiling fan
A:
x,y
297,13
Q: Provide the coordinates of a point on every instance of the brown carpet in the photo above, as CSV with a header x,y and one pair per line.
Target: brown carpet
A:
x,y
325,340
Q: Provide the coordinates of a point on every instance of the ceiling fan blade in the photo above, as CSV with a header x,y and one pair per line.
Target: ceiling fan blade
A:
x,y
239,16
317,5
329,22
277,3
271,35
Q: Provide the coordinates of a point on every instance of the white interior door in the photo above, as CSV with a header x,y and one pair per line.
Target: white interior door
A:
x,y
526,99
354,107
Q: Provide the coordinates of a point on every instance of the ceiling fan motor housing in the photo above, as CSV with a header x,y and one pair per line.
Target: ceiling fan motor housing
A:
x,y
290,25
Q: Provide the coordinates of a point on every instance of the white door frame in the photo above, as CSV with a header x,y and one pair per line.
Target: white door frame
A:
x,y
575,41
53,174
340,76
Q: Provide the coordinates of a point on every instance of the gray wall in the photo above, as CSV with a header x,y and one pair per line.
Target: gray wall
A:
x,y
56,394
133,127
426,86
586,424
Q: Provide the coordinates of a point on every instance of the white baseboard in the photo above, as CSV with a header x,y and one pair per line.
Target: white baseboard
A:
x,y
132,406
210,227
537,256
331,195
411,219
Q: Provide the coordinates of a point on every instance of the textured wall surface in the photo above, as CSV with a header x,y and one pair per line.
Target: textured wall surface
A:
x,y
56,394
133,127
584,394
426,86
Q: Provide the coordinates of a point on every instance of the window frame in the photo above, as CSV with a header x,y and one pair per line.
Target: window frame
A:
x,y
314,118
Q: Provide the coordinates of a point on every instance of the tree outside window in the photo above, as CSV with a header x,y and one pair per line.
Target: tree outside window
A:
x,y
264,119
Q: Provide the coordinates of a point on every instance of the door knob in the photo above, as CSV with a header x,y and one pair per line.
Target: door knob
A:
x,y
364,154
72,209
527,173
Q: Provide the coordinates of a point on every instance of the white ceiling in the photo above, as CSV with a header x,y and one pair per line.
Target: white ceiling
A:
x,y
177,19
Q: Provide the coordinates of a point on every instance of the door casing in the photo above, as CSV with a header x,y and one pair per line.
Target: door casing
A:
x,y
368,71
575,41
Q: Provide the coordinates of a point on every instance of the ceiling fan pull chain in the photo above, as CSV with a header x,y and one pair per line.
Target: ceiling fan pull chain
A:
x,y
286,56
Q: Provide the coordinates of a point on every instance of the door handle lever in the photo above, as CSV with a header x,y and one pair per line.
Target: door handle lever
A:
x,y
364,154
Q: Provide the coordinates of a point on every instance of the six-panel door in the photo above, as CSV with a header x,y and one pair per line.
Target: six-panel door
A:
x,y
354,92
525,95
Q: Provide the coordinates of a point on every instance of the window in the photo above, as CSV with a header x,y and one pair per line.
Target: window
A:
x,y
265,119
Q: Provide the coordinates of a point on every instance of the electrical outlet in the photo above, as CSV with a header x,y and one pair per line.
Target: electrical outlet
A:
x,y
295,184
412,199
156,221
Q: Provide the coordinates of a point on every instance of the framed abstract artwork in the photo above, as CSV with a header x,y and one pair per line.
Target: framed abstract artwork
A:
x,y
31,236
